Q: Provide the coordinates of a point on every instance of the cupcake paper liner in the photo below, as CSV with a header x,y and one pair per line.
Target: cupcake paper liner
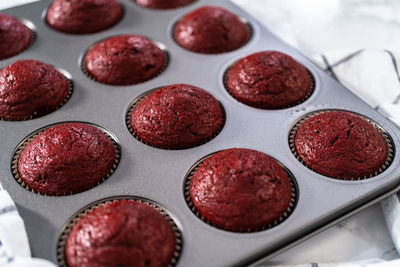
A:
x,y
70,82
85,71
136,102
307,96
32,28
284,216
66,230
384,134
22,145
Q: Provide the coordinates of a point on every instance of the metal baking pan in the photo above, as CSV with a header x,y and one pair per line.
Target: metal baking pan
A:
x,y
158,174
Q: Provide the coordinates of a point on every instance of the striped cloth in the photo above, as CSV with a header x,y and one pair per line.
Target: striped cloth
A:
x,y
372,75
375,77
14,245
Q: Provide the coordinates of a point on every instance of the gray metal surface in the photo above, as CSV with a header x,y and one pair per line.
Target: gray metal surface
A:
x,y
159,174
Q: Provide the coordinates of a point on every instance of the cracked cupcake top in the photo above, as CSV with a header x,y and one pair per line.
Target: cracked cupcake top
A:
x,y
341,145
29,89
66,158
124,60
163,4
83,16
121,233
177,116
268,80
240,190
211,30
14,36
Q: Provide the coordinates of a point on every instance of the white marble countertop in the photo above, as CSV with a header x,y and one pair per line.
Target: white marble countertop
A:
x,y
316,27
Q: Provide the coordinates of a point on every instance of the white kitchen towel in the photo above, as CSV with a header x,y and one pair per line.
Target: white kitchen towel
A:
x,y
14,245
374,77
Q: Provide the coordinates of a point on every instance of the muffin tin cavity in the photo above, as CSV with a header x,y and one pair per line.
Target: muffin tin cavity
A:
x,y
292,205
33,35
66,230
130,51
309,93
70,82
215,50
22,145
135,103
385,135
68,17
33,30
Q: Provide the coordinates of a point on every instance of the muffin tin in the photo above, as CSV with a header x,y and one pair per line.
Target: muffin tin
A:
x,y
159,175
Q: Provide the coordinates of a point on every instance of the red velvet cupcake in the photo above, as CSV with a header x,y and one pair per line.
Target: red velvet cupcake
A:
x,y
177,116
67,158
240,190
268,80
341,145
83,16
121,233
15,36
211,30
164,4
30,89
125,60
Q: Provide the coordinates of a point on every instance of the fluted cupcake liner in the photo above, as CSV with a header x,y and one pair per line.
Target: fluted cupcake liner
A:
x,y
307,96
141,97
85,71
66,230
70,82
32,28
387,138
292,204
22,145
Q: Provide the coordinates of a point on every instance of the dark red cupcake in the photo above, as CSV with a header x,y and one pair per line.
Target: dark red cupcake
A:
x,y
121,233
29,89
164,4
177,116
268,80
211,30
67,158
124,60
241,190
341,145
83,16
14,36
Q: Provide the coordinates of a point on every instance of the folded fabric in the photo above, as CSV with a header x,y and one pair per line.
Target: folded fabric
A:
x,y
374,77
14,245
371,75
